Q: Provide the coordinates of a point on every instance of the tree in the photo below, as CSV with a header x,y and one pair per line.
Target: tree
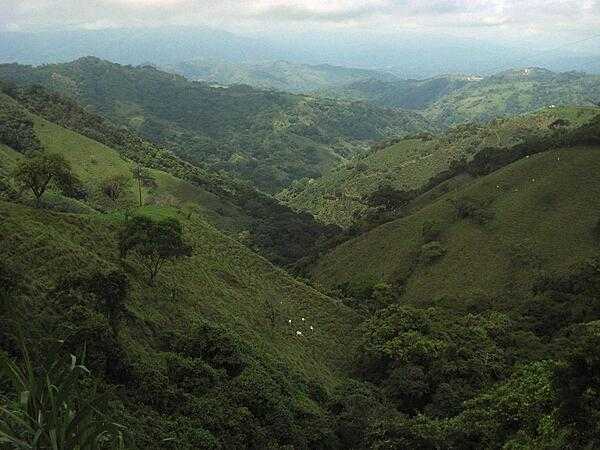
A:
x,y
115,186
389,198
143,178
154,242
41,171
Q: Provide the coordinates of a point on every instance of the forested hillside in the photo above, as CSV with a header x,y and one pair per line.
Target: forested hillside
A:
x,y
269,138
151,299
220,330
407,94
461,325
270,228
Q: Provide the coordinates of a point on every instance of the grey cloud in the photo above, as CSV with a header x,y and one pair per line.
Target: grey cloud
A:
x,y
299,13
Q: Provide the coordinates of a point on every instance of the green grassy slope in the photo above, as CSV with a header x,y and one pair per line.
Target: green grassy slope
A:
x,y
223,282
544,209
93,161
267,137
338,196
269,227
514,92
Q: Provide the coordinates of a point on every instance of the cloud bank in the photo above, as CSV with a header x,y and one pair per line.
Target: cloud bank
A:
x,y
507,18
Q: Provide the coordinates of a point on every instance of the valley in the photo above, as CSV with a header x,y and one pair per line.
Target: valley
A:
x,y
247,253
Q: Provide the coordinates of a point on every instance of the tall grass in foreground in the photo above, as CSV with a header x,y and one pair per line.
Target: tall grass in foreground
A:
x,y
48,412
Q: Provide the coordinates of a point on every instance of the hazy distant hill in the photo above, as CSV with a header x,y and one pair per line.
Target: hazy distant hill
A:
x,y
280,75
409,94
269,138
450,100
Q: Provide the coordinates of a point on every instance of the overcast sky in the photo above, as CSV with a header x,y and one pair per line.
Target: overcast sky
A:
x,y
545,22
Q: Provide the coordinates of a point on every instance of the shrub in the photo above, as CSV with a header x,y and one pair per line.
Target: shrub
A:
x,y
51,411
431,231
469,208
431,252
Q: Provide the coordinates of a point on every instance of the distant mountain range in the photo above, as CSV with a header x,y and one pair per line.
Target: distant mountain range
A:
x,y
405,55
279,75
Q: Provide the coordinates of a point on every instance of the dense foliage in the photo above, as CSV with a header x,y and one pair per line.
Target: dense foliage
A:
x,y
269,138
470,321
276,231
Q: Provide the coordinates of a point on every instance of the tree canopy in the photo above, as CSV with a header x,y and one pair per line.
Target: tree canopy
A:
x,y
154,242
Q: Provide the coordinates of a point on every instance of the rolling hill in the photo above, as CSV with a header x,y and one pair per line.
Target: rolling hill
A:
x,y
268,138
494,237
341,195
278,75
407,94
450,100
471,321
236,208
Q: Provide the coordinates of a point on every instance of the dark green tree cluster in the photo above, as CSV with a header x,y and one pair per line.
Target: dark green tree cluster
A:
x,y
154,242
16,130
42,171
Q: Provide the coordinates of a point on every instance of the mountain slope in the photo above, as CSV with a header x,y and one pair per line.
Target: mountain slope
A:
x,y
213,335
269,227
495,235
269,138
279,75
407,94
340,196
222,287
450,100
515,92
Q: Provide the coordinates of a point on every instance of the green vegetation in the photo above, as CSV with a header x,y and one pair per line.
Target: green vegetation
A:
x,y
343,195
197,361
266,137
274,230
36,174
513,220
46,414
514,92
464,314
451,100
406,94
154,242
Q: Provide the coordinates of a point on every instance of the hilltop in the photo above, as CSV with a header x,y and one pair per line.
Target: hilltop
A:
x,y
341,195
268,138
450,100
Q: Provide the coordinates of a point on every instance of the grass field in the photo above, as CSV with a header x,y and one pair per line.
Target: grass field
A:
x,y
542,208
337,197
